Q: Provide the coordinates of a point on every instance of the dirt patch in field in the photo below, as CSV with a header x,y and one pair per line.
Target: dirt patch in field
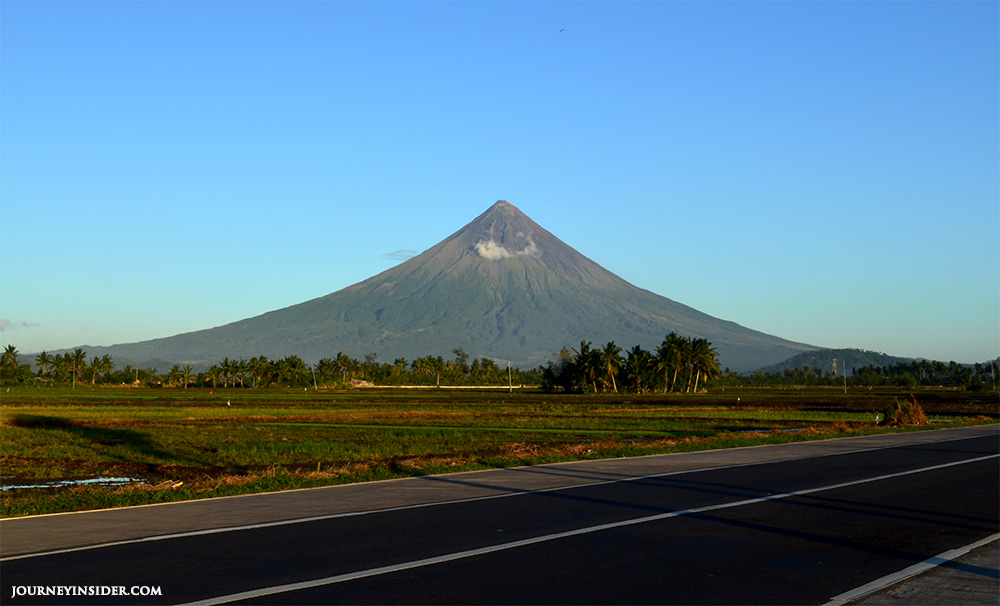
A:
x,y
659,409
402,414
333,417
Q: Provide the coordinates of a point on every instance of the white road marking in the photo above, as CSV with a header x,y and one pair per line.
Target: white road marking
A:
x,y
902,575
264,591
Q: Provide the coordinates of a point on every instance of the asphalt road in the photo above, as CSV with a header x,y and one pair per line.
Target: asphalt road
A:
x,y
793,524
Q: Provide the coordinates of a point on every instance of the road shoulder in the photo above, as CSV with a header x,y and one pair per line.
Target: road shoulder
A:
x,y
971,579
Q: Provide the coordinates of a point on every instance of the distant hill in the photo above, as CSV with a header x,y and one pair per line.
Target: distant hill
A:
x,y
847,359
501,287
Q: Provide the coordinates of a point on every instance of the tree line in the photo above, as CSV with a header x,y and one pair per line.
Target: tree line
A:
x,y
928,373
73,367
907,375
679,364
70,367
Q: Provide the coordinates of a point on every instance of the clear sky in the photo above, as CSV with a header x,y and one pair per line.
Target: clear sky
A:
x,y
822,171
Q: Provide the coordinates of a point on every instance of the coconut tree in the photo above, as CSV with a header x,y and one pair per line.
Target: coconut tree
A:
x,y
43,360
611,362
107,365
587,362
664,363
174,376
10,355
242,368
704,361
259,368
78,358
292,368
228,368
62,367
671,354
100,366
214,371
343,363
429,365
9,364
326,368
485,371
638,366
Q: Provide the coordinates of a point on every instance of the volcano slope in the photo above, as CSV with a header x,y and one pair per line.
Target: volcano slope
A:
x,y
501,287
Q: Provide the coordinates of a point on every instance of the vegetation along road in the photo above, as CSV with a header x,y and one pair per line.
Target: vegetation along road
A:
x,y
796,523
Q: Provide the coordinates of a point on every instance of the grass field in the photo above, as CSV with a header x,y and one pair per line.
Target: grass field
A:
x,y
170,444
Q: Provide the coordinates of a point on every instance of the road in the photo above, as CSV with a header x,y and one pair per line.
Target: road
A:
x,y
792,524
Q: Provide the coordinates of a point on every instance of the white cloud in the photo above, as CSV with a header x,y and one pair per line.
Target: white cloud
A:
x,y
6,324
493,251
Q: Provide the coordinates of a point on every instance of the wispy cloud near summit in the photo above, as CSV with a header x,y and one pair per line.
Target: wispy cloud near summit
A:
x,y
401,255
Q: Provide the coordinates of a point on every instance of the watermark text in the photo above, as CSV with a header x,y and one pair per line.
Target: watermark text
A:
x,y
84,590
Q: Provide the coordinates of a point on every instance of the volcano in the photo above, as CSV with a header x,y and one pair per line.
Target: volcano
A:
x,y
501,287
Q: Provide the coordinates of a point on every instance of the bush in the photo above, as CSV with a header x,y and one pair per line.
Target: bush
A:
x,y
903,412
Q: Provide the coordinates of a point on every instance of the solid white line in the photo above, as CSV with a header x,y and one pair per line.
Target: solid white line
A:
x,y
514,492
264,591
902,575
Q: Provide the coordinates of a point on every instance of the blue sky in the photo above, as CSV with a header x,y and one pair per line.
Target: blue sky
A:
x,y
823,171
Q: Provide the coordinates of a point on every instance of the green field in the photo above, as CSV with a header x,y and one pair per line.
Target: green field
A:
x,y
173,444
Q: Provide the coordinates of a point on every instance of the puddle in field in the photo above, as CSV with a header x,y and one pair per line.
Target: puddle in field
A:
x,y
100,481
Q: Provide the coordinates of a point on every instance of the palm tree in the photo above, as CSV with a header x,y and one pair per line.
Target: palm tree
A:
x,y
214,371
227,367
43,360
241,367
107,365
174,375
10,354
397,371
429,365
258,367
611,360
485,371
587,362
670,358
326,368
704,361
295,369
187,375
62,367
343,363
100,366
638,366
9,364
79,361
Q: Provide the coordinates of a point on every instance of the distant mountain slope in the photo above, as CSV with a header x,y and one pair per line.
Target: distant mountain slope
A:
x,y
500,287
847,359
